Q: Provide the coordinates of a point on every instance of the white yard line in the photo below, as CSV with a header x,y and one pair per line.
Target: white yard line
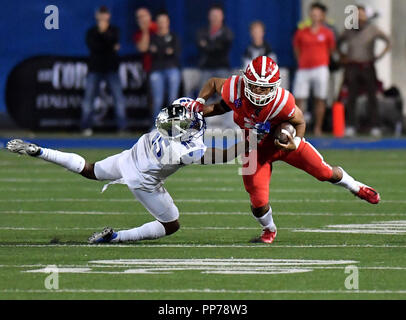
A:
x,y
359,231
123,266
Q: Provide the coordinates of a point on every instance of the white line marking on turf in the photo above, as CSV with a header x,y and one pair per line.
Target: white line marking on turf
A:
x,y
204,290
382,214
39,265
382,227
218,266
222,262
192,200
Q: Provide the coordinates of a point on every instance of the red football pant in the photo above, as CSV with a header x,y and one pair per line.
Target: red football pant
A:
x,y
306,157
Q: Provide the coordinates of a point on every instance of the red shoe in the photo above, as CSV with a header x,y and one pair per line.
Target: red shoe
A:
x,y
368,194
268,236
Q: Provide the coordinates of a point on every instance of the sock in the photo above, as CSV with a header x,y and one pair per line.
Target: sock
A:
x,y
348,182
267,221
70,161
150,230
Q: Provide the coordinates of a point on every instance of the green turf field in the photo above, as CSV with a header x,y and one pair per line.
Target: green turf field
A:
x,y
47,214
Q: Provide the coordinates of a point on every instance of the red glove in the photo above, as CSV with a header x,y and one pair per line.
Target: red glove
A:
x,y
194,106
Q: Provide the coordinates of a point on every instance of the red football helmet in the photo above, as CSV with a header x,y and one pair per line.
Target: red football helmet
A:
x,y
261,72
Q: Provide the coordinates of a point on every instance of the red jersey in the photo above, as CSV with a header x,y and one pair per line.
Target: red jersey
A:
x,y
147,60
314,48
279,110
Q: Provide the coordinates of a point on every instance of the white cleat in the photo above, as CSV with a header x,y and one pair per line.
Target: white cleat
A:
x,y
22,147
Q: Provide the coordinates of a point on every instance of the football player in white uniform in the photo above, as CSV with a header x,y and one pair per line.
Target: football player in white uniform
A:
x,y
177,141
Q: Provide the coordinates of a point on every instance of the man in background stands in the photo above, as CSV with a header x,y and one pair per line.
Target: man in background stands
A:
x,y
165,76
214,44
359,61
103,43
258,46
141,37
313,46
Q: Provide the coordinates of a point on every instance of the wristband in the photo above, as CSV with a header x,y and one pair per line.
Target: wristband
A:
x,y
296,141
201,100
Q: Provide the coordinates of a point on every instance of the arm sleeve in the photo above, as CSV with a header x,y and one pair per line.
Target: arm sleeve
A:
x,y
288,110
225,95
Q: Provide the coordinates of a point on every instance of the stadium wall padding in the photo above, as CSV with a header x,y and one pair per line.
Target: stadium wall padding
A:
x,y
23,33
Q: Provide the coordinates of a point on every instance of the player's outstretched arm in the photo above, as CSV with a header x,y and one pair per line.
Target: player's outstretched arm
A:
x,y
211,110
217,156
212,86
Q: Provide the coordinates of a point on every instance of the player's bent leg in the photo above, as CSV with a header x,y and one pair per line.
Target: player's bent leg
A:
x,y
257,185
161,206
148,231
307,158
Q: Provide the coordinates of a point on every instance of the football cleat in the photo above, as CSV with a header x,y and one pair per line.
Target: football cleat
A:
x,y
105,236
267,236
22,147
368,194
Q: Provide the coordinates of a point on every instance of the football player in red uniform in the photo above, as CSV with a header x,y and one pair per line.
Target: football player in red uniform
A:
x,y
259,102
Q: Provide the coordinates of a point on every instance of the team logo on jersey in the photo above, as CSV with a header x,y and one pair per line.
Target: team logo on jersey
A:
x,y
238,103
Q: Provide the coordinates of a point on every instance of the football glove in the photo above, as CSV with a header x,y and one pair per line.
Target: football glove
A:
x,y
193,106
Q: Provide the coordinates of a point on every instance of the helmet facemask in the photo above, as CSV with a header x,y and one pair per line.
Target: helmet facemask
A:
x,y
260,100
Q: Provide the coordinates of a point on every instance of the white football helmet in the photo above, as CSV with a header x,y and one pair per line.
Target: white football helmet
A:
x,y
176,122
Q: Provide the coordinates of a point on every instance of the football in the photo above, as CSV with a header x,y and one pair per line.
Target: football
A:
x,y
283,130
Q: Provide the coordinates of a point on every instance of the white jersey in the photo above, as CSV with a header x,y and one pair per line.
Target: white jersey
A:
x,y
154,158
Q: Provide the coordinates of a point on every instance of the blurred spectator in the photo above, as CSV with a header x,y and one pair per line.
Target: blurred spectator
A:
x,y
141,37
165,75
313,46
258,46
103,43
359,62
329,23
214,43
